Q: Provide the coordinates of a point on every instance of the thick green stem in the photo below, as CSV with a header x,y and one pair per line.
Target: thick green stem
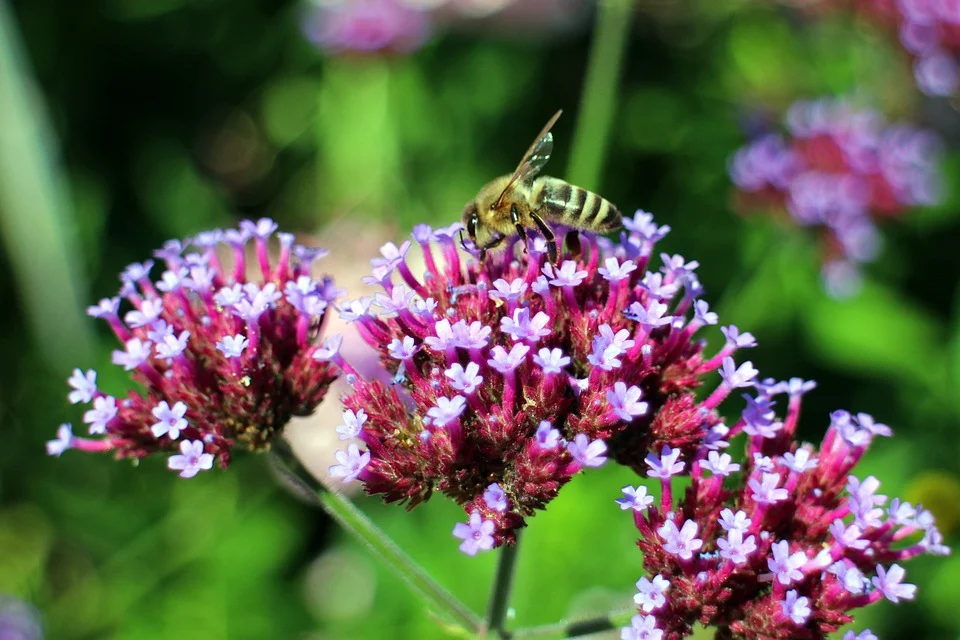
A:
x,y
599,97
502,584
354,522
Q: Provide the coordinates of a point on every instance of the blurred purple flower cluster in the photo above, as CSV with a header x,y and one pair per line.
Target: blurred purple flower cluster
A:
x,y
512,376
782,542
365,27
223,359
839,169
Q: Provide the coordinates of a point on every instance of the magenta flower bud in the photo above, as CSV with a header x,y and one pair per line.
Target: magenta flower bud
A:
x,y
224,360
522,373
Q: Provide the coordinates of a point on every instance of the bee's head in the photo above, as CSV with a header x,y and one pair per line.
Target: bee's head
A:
x,y
471,221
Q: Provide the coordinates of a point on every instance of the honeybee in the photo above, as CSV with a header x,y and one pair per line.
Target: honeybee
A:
x,y
516,202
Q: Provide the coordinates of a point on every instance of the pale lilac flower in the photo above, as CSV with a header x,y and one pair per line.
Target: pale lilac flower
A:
x,y
466,380
731,521
766,490
587,453
784,565
84,386
800,461
626,401
150,309
351,463
107,307
509,290
641,628
551,360
171,347
63,441
615,271
104,410
736,377
136,352
651,593
566,276
719,464
636,499
495,498
547,437
170,420
681,542
446,410
232,346
191,460
477,534
796,608
330,349
735,548
504,361
522,327
352,424
890,584
402,350
665,465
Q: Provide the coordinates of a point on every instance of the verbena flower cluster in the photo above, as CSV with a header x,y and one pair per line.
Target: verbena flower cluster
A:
x,y
782,542
839,169
223,359
512,376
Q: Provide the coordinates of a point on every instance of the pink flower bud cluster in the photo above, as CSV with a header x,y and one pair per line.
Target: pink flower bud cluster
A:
x,y
839,169
223,360
512,376
781,542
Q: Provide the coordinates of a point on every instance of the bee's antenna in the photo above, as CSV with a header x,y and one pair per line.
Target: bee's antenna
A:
x,y
462,242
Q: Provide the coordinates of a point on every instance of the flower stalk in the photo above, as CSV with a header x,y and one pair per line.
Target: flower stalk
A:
x,y
360,527
502,585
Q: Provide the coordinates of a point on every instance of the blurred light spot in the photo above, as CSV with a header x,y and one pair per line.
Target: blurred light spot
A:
x,y
340,585
939,492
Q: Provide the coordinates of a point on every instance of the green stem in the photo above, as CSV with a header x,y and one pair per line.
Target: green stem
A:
x,y
598,101
577,628
358,525
37,223
502,584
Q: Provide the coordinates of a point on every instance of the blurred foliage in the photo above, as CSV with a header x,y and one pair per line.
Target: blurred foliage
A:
x,y
175,116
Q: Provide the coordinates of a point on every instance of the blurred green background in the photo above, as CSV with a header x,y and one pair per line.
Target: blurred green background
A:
x,y
127,122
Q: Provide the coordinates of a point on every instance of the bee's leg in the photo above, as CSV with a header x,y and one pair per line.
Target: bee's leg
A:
x,y
497,239
516,222
573,243
547,235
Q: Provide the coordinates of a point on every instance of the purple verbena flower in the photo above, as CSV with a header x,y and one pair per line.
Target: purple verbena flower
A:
x,y
223,359
522,372
784,543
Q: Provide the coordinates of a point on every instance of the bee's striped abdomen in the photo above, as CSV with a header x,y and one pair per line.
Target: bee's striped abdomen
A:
x,y
577,207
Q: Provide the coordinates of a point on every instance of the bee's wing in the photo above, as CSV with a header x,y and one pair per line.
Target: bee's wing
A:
x,y
534,159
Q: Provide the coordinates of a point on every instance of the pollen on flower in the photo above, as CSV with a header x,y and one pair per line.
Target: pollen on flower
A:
x,y
223,359
519,373
786,542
